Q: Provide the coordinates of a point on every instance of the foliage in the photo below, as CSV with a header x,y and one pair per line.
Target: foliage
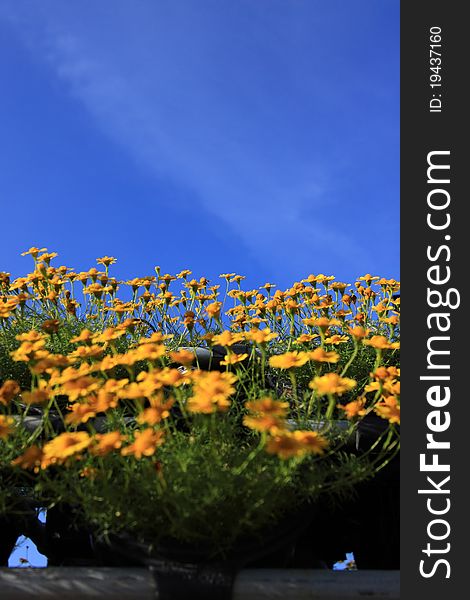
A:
x,y
106,404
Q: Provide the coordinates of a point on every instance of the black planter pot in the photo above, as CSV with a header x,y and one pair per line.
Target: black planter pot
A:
x,y
368,524
67,544
22,519
191,571
10,530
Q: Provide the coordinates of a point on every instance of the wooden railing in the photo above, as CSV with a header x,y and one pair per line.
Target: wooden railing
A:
x,y
105,583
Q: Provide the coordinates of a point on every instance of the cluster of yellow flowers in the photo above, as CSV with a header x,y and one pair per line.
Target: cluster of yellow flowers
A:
x,y
308,322
317,301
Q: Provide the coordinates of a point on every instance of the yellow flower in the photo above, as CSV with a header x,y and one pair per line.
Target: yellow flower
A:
x,y
27,350
159,409
104,443
128,325
194,285
324,278
183,357
6,310
128,359
135,391
358,332
356,408
227,338
8,391
97,290
311,441
108,335
261,336
38,396
189,319
80,413
106,261
135,283
108,363
145,444
336,339
183,274
69,374
368,278
268,406
331,383
114,385
391,387
103,400
213,309
284,445
255,321
203,403
338,285
386,373
149,352
82,277
93,273
232,359
65,445
291,306
389,409
47,362
288,444
6,426
289,360
155,338
318,278
47,257
305,338
85,336
392,320
30,459
369,293
267,286
83,352
167,278
264,422
81,386
237,278
214,382
380,342
319,355
322,323
166,376
211,391
5,278
34,251
268,414
51,325
372,387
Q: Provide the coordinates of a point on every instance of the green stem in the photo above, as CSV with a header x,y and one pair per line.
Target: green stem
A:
x,y
294,392
331,406
351,359
253,454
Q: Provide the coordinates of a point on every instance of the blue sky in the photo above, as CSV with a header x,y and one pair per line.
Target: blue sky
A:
x,y
25,553
251,136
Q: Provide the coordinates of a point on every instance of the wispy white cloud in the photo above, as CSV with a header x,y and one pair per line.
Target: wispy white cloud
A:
x,y
209,99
